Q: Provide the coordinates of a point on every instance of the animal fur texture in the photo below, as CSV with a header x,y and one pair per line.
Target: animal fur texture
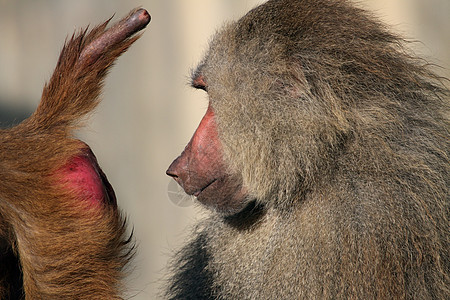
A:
x,y
61,233
341,137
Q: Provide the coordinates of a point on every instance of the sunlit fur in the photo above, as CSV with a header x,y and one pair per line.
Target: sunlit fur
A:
x,y
53,243
341,136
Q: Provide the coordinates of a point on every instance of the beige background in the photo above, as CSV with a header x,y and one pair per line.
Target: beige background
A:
x,y
149,113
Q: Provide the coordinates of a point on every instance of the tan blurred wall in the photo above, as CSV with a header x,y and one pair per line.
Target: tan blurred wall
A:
x,y
149,113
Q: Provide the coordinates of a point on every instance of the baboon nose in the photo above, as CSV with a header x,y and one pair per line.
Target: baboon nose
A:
x,y
171,173
178,170
173,170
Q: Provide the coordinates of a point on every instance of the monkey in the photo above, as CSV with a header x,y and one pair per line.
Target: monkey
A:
x,y
62,235
322,161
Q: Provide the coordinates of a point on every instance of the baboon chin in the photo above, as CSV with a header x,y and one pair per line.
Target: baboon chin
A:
x,y
322,158
62,235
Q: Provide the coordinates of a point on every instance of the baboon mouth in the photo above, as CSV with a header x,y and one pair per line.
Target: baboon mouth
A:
x,y
197,193
224,194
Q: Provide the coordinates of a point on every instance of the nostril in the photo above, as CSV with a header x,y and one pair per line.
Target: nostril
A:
x,y
172,171
171,174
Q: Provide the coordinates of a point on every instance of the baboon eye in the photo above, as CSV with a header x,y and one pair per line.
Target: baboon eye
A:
x,y
198,82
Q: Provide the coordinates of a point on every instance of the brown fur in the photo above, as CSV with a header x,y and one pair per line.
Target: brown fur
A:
x,y
341,137
53,244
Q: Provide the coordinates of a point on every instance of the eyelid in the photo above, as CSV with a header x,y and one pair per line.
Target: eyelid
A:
x,y
198,82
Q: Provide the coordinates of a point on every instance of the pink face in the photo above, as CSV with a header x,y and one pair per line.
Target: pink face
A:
x,y
201,171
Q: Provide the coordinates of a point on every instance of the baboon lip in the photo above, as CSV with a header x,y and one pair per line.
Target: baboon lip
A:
x,y
224,194
197,193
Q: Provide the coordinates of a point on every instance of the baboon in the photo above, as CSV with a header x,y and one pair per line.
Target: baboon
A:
x,y
324,159
62,235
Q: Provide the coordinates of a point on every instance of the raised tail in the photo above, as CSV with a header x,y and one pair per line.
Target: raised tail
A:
x,y
75,86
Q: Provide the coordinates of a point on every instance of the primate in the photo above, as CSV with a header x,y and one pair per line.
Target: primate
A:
x,y
62,235
324,160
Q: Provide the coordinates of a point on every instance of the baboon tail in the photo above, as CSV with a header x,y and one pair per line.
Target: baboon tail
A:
x,y
75,86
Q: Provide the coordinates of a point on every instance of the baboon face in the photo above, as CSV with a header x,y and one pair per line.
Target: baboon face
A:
x,y
286,100
201,169
271,133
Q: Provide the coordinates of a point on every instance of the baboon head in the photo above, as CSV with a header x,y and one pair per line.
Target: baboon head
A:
x,y
324,150
289,88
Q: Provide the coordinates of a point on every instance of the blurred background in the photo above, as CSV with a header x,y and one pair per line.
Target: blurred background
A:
x,y
149,112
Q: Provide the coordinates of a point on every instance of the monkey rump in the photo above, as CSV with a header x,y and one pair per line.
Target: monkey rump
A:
x,y
61,232
83,176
